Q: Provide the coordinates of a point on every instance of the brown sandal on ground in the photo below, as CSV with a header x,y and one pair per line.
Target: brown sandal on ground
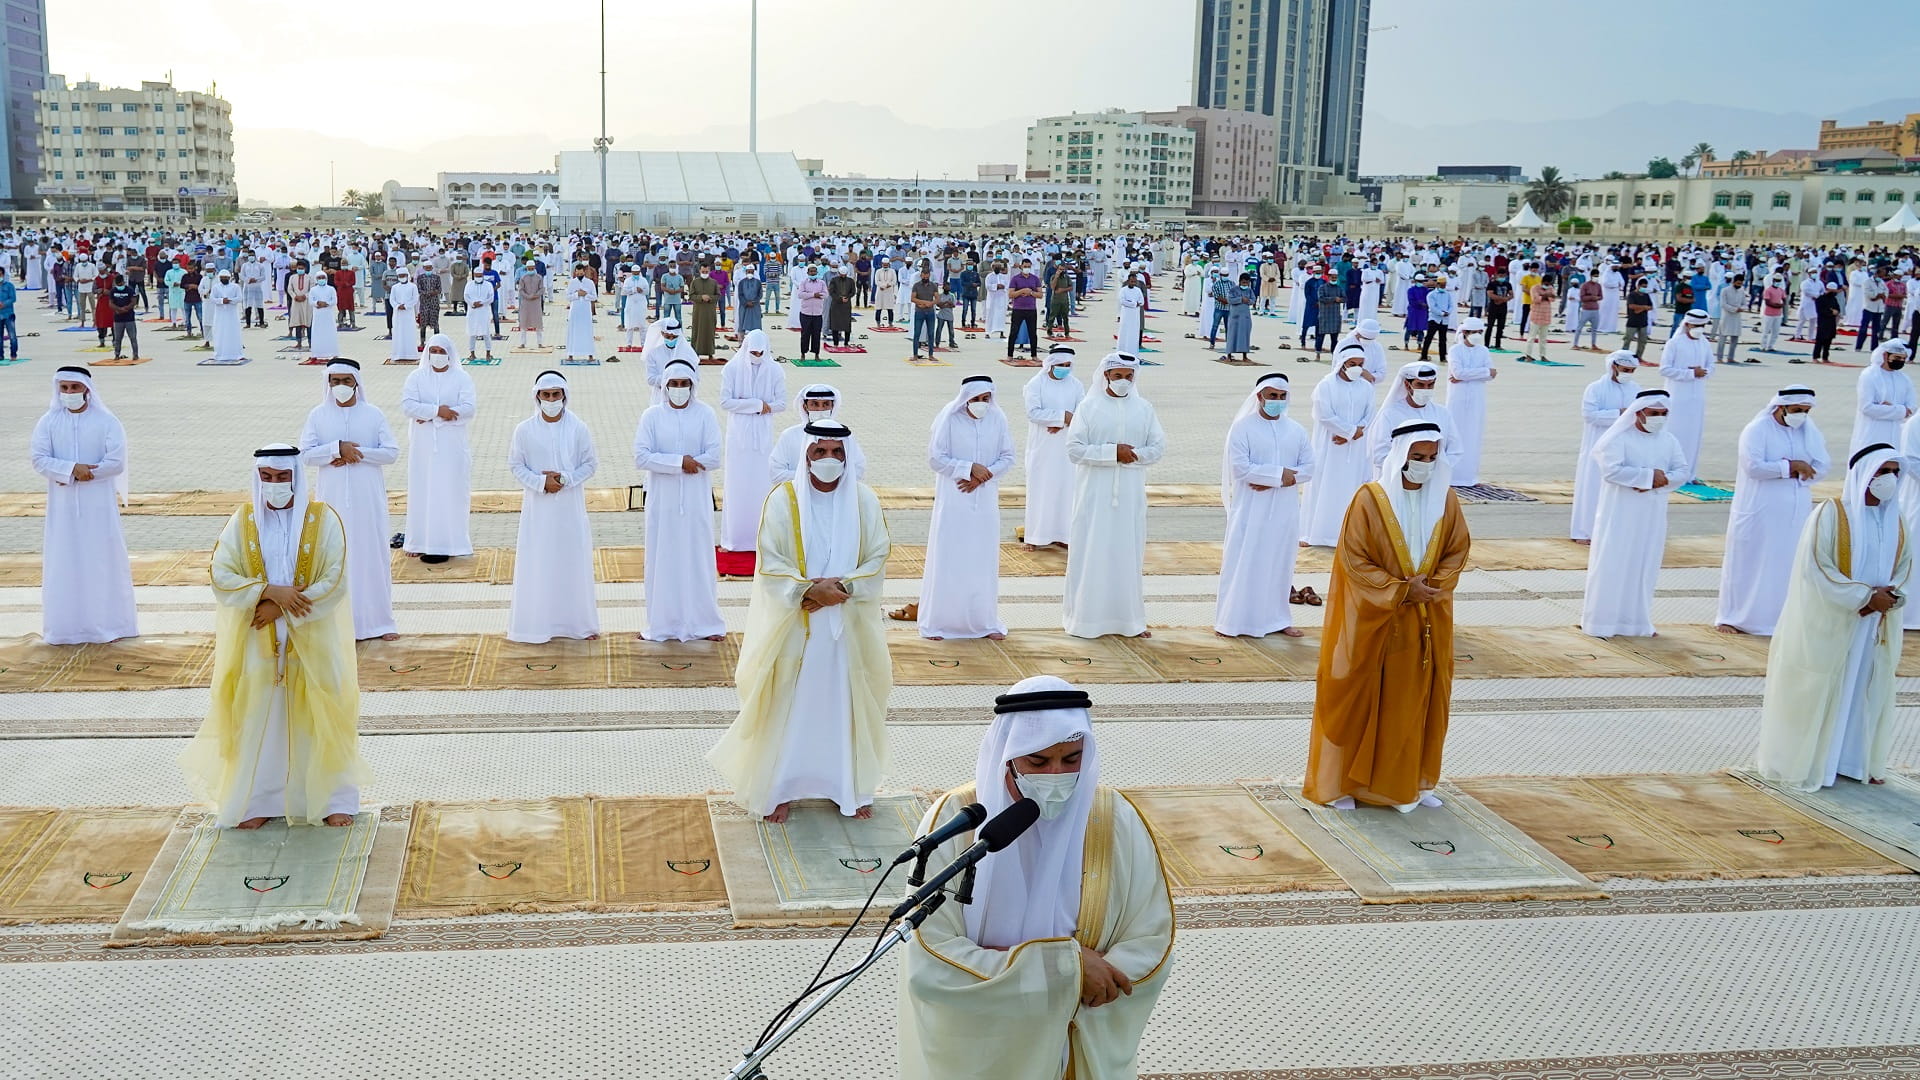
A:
x,y
1309,597
910,613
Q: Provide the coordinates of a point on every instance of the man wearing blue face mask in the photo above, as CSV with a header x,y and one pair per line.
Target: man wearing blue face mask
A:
x,y
1268,456
810,300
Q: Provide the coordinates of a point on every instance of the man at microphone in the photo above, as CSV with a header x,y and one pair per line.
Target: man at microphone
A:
x,y
1040,978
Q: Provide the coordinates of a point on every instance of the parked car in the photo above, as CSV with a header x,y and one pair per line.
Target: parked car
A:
x,y
484,223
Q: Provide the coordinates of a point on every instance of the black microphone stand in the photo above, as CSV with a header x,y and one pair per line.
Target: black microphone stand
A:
x,y
749,1066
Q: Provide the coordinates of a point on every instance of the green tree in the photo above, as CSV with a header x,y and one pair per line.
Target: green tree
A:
x,y
1689,161
1701,153
351,197
1265,212
1616,174
373,206
1661,169
1550,196
296,208
1740,156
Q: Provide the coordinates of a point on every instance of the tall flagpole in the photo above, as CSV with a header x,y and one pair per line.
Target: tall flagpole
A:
x,y
600,144
753,82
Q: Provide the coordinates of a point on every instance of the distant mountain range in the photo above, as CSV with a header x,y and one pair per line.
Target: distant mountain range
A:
x,y
1623,138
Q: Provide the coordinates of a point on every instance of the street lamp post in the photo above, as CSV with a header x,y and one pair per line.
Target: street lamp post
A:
x,y
753,82
600,144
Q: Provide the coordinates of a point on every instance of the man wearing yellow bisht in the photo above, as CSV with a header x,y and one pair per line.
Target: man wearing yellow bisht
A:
x,y
279,739
1054,968
814,673
1386,650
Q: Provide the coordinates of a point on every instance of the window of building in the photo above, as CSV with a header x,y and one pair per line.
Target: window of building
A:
x,y
1586,200
1613,200
1895,196
179,131
179,108
1722,200
129,107
59,175
103,107
1782,200
1639,199
1863,195
136,175
57,151
179,153
129,131
1743,200
1831,223
106,131
109,176
132,154
1862,222
1836,196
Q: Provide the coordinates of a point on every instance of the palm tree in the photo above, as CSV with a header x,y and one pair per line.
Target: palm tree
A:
x,y
1689,161
351,197
1702,153
1913,131
1550,196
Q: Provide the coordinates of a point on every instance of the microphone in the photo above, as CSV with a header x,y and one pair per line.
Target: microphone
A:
x,y
967,820
1004,829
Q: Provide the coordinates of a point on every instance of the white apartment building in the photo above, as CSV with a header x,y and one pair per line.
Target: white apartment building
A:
x,y
1140,170
1837,200
502,196
155,149
952,202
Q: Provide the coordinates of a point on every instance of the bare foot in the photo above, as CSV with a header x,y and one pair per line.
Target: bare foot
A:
x,y
863,814
1144,634
1584,543
1031,547
337,820
591,637
716,637
1876,780
1294,631
1729,629
251,823
996,637
936,639
389,637
779,815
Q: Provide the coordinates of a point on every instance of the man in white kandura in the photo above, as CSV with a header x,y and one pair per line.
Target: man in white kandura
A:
x,y
1828,711
969,449
439,401
279,739
553,458
1342,409
1640,462
678,447
478,296
1886,399
752,389
815,401
1782,455
1050,397
1069,939
223,312
1469,370
86,580
1600,405
404,295
1409,400
581,296
814,673
347,440
1686,362
1114,439
665,342
1133,313
1267,457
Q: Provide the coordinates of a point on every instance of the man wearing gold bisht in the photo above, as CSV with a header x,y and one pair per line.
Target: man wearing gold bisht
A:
x,y
1386,653
279,739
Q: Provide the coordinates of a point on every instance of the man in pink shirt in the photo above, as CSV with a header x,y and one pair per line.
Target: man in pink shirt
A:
x,y
1588,316
810,296
1773,308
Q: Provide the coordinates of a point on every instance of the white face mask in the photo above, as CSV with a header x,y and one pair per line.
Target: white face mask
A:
x,y
1274,409
344,393
976,409
1419,471
1655,424
277,496
70,402
1052,791
1120,387
1795,419
1420,395
679,395
552,409
439,360
1884,487
827,470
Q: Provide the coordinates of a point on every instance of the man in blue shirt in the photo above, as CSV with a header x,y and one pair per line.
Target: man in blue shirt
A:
x,y
9,330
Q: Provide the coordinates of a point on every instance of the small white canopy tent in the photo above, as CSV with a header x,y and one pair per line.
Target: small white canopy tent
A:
x,y
1904,221
1526,219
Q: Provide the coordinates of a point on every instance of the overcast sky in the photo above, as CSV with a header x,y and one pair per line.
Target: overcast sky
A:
x,y
393,72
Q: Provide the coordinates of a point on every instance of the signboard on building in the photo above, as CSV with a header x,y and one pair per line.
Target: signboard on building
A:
x,y
63,189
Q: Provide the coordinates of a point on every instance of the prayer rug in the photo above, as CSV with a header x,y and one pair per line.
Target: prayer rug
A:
x,y
1229,363
1745,831
1599,837
806,361
926,363
393,362
620,564
1884,818
76,330
1552,363
218,886
1459,851
418,662
1706,493
970,662
1479,493
1182,557
844,349
314,361
560,664
1018,363
1297,658
591,361
28,663
1078,660
469,858
656,853
715,361
1219,840
673,663
477,567
150,662
481,361
9,361
1199,655
116,361
1699,650
815,870
77,865
902,329
210,362
1481,652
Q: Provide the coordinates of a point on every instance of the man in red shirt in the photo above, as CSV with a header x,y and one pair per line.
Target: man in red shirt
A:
x,y
1773,308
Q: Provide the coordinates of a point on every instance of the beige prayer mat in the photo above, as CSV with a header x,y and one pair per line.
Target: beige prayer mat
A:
x,y
172,567
1884,818
1182,557
912,498
1909,655
1219,840
560,664
673,663
1694,551
906,561
819,867
1699,650
1078,660
1745,831
420,662
620,564
1179,495
1459,851
77,865
1541,651
154,662
475,568
656,853
1017,561
1596,835
1297,658
215,886
22,570
28,663
468,858
1200,655
969,662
